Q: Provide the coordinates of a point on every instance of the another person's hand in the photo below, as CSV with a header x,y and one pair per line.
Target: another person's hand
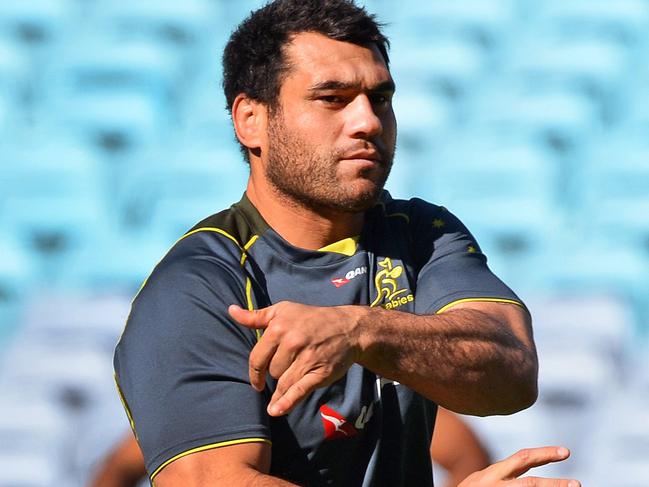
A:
x,y
506,472
304,347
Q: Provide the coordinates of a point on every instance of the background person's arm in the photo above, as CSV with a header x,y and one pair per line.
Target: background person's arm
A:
x,y
123,467
456,448
229,466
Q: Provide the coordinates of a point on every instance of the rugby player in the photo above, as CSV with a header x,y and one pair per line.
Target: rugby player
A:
x,y
306,334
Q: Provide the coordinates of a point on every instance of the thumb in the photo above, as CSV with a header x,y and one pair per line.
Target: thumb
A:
x,y
253,319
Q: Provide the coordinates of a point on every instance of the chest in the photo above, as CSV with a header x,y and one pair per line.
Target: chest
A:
x,y
364,279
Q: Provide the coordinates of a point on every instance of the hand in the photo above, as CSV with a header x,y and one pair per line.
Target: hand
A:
x,y
506,472
304,347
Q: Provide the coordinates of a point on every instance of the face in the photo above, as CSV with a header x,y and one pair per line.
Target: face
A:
x,y
331,139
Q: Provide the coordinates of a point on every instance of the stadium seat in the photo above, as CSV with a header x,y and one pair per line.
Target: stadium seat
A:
x,y
624,20
28,470
449,66
35,428
176,24
190,186
85,319
16,279
33,22
55,201
593,67
75,380
114,123
422,118
484,23
561,119
14,71
589,322
616,192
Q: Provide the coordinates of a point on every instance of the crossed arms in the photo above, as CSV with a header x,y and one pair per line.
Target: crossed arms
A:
x,y
475,358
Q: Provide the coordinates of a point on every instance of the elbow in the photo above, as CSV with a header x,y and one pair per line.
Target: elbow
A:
x,y
521,388
525,395
516,390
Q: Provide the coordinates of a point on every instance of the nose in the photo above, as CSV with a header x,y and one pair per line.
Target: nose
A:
x,y
363,121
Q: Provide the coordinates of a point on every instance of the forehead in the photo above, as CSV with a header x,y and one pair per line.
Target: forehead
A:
x,y
314,58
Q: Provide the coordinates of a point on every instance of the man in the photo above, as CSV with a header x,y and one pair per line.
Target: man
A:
x,y
351,315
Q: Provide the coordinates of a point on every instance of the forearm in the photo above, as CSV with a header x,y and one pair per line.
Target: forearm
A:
x,y
466,360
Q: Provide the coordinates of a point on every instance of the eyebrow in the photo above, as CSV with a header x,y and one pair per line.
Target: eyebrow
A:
x,y
384,86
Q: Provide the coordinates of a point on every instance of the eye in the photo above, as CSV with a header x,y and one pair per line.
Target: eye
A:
x,y
332,99
381,99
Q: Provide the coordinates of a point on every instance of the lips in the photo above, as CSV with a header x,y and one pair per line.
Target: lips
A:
x,y
365,155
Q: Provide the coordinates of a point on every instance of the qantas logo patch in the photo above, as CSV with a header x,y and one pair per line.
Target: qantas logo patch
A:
x,y
335,424
341,281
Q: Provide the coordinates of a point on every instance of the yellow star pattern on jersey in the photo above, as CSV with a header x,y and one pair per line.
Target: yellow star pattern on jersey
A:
x,y
438,223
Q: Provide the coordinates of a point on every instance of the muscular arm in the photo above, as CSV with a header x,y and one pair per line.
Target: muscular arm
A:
x,y
245,464
476,358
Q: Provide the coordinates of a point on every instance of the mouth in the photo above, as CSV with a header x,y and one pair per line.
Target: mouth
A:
x,y
363,157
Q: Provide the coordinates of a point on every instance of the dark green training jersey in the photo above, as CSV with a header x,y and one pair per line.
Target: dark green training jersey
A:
x,y
182,362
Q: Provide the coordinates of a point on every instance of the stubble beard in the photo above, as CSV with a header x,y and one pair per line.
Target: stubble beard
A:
x,y
306,176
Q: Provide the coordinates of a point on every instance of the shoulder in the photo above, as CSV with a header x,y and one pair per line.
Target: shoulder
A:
x,y
415,212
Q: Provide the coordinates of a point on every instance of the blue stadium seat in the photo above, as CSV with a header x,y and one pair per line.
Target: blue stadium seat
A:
x,y
624,21
615,193
597,68
505,194
117,65
125,262
169,195
16,277
33,22
561,119
422,117
54,203
114,123
14,69
176,24
485,23
449,66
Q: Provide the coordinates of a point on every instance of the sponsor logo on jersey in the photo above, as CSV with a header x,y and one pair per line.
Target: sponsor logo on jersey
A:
x,y
341,281
335,424
389,295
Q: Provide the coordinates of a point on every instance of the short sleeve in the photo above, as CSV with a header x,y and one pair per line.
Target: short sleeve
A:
x,y
451,264
182,363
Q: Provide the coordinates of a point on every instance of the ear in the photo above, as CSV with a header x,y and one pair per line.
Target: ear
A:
x,y
250,119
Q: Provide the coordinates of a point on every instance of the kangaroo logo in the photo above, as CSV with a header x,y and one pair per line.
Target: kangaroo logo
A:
x,y
386,282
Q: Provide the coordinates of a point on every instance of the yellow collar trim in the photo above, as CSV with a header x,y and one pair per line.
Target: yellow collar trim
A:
x,y
346,246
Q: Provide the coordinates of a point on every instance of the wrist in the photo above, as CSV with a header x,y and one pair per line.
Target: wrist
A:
x,y
362,331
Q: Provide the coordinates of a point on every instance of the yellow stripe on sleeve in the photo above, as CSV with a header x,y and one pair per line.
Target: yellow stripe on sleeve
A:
x,y
209,447
479,300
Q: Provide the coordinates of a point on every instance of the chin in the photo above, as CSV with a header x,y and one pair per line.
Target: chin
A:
x,y
362,200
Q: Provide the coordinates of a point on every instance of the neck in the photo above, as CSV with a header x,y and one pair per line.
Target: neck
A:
x,y
299,225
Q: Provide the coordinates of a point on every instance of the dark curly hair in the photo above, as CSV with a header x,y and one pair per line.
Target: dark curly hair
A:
x,y
254,61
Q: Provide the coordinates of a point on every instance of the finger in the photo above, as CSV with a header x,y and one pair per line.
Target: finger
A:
x,y
259,361
257,318
521,461
281,360
283,402
542,482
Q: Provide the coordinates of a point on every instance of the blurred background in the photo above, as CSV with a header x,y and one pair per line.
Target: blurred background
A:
x,y
528,119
